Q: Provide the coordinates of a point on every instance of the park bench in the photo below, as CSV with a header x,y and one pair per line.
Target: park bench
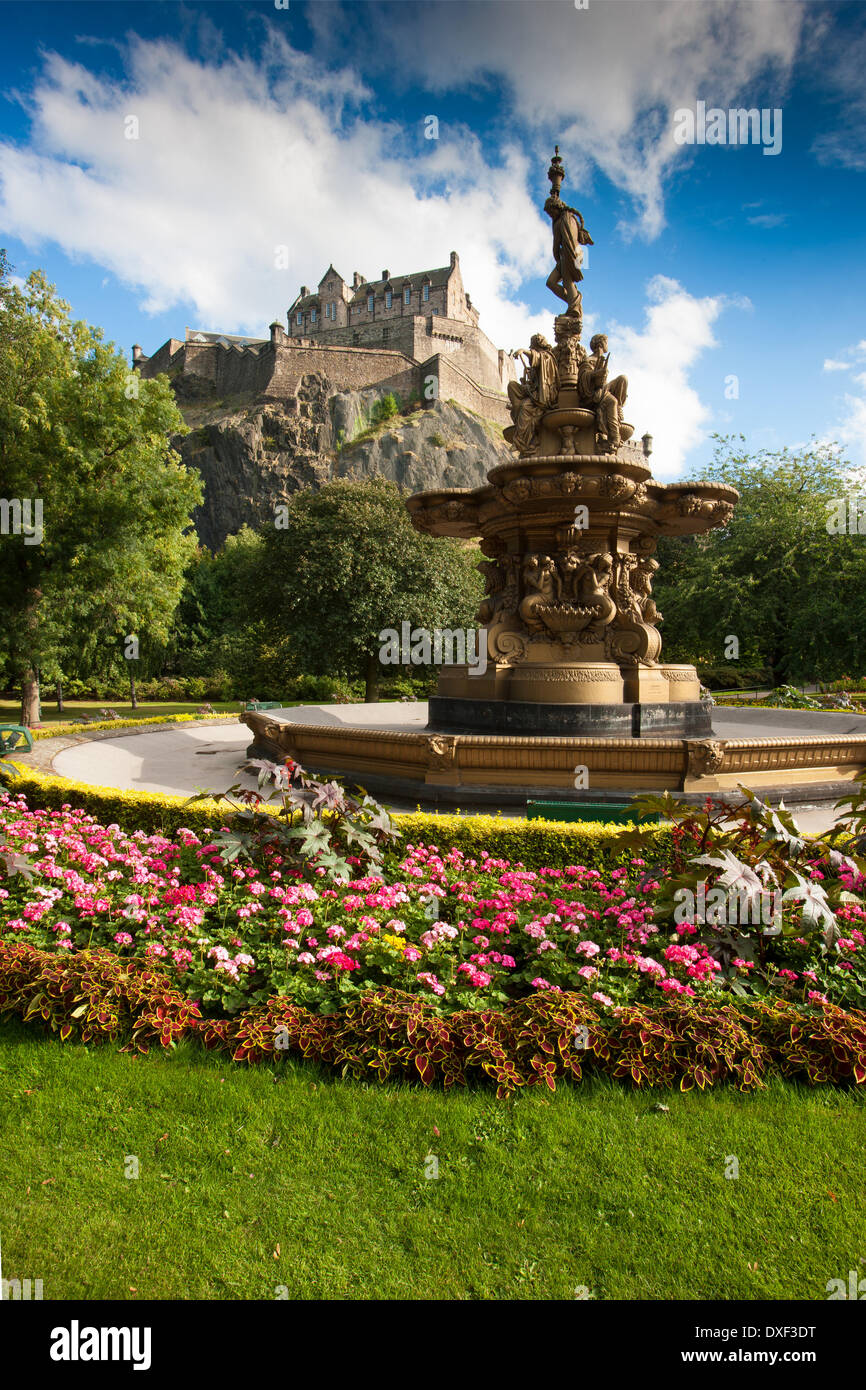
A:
x,y
263,704
11,735
616,811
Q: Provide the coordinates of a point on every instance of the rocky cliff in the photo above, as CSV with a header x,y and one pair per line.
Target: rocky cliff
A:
x,y
253,455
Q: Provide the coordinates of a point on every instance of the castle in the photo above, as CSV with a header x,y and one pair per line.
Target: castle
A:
x,y
416,335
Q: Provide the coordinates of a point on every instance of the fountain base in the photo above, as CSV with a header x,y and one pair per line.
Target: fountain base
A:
x,y
645,719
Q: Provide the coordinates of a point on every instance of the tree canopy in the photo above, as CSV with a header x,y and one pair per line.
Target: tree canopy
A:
x,y
349,564
97,503
779,578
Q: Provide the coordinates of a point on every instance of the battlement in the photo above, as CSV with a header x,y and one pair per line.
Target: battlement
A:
x,y
392,334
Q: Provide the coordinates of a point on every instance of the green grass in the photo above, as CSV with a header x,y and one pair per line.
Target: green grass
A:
x,y
146,709
251,1179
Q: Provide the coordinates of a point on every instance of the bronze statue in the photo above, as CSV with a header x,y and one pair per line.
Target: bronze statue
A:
x,y
569,238
537,392
607,398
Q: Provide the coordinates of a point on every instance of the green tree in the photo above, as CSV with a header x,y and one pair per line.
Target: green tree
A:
x,y
776,577
86,467
350,564
222,624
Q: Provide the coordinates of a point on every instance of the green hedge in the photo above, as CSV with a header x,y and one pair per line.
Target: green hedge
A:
x,y
133,810
535,843
63,728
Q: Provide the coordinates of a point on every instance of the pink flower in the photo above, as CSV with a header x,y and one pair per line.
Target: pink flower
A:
x,y
602,998
430,980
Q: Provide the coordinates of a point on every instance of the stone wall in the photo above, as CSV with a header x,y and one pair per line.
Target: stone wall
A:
x,y
350,369
274,371
455,385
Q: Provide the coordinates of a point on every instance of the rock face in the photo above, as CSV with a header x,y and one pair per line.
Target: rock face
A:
x,y
252,455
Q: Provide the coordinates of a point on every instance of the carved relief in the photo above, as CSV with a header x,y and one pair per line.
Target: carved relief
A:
x,y
617,488
706,757
441,752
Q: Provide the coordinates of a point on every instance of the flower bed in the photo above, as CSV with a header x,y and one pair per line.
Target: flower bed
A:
x,y
65,727
459,932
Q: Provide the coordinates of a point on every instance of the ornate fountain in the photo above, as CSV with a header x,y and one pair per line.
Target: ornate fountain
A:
x,y
569,528
574,679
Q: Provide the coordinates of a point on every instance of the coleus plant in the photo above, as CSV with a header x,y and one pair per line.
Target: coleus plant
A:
x,y
319,823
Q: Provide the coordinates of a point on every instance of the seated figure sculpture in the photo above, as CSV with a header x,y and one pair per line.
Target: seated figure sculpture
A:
x,y
528,399
606,398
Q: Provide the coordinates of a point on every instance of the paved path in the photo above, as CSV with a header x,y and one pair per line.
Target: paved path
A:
x,y
180,759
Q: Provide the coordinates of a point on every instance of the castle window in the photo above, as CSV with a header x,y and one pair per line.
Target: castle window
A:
x,y
369,304
426,293
299,318
388,299
385,334
312,316
407,295
356,338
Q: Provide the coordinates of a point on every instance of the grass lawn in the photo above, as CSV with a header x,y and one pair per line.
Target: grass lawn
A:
x,y
146,709
262,1177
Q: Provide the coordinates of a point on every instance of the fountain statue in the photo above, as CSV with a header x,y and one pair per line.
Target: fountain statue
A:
x,y
569,528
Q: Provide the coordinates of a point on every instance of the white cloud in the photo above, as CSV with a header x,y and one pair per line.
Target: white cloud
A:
x,y
851,429
235,159
605,81
768,219
657,360
831,365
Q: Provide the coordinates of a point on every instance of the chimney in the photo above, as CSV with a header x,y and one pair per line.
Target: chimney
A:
x,y
386,275
137,354
304,291
455,259
357,280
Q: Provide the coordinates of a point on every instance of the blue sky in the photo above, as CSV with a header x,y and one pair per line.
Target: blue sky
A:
x,y
304,128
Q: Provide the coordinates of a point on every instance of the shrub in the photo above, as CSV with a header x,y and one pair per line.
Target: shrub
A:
x,y
536,843
384,409
94,996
